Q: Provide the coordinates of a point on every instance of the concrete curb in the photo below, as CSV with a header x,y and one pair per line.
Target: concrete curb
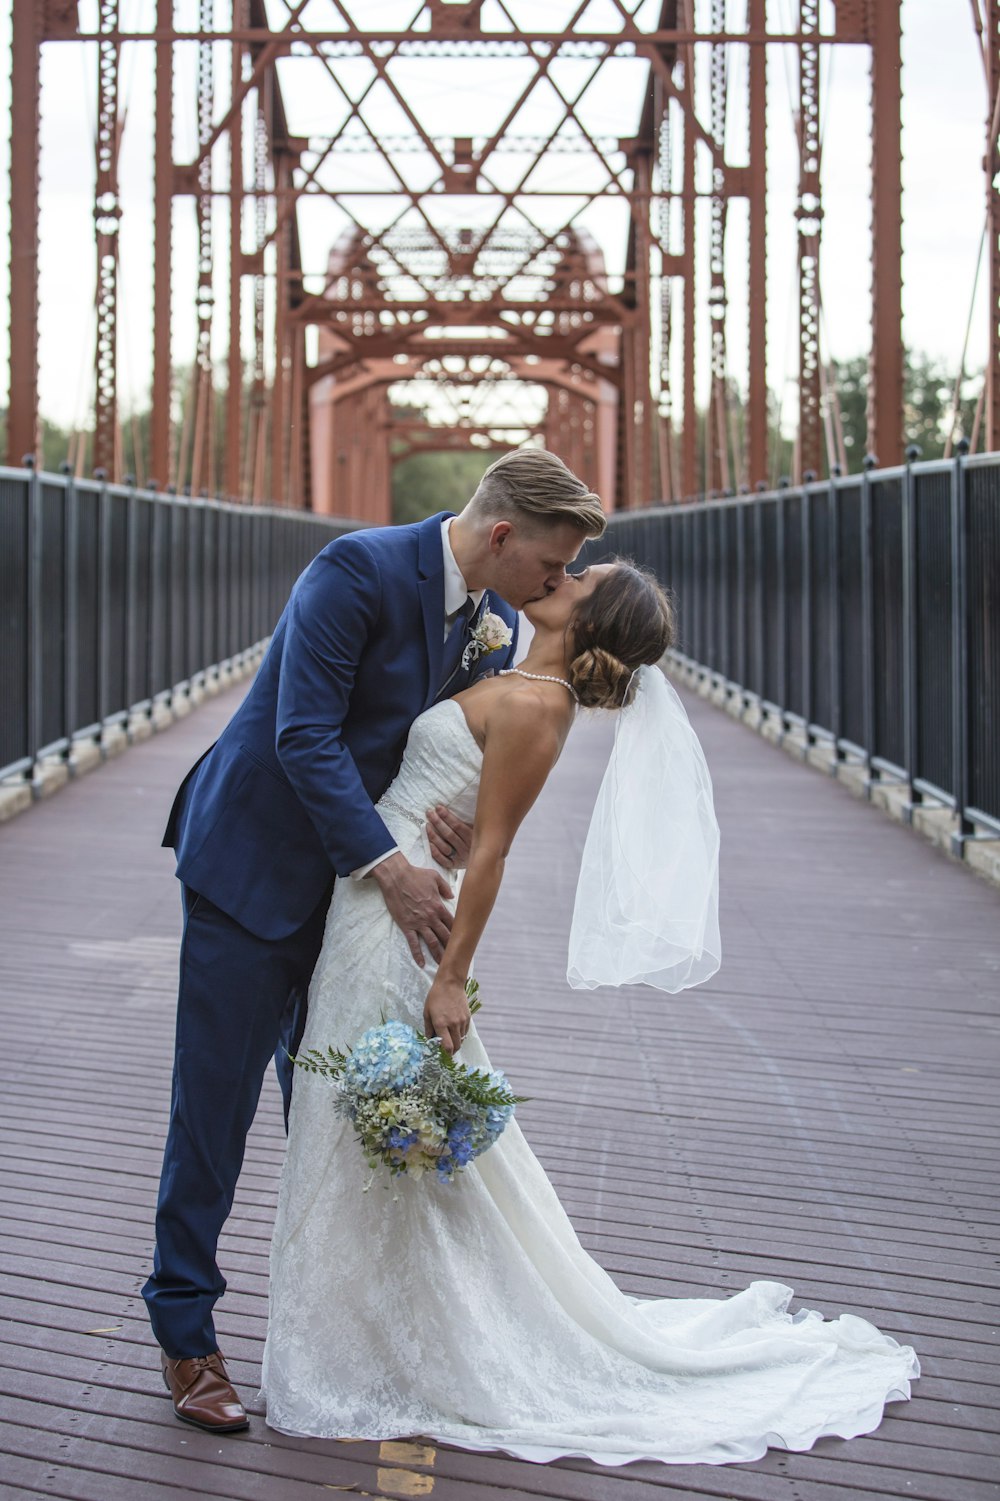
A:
x,y
935,822
53,773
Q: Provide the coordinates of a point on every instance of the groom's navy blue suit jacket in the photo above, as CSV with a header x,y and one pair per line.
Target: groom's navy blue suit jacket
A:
x,y
283,799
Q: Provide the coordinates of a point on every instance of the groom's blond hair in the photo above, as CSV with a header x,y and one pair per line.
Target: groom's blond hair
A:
x,y
535,487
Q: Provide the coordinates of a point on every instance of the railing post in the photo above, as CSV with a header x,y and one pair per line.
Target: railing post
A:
x,y
867,611
782,608
721,592
160,606
710,584
71,605
836,655
131,582
806,615
959,651
194,602
741,596
911,666
759,621
34,612
103,597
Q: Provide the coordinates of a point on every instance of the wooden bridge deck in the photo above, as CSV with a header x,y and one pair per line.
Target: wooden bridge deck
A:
x,y
823,1114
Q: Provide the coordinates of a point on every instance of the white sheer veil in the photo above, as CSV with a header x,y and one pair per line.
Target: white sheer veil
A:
x,y
647,898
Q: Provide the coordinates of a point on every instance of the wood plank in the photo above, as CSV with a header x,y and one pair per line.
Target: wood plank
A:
x,y
821,1114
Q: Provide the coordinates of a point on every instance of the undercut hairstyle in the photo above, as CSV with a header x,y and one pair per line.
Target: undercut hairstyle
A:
x,y
535,488
626,621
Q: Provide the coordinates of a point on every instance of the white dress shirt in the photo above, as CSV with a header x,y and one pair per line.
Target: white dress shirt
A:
x,y
456,592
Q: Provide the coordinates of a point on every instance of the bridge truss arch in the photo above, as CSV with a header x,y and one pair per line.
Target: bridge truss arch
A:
x,y
462,259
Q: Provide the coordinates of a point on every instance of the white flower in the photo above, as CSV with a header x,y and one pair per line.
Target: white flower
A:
x,y
493,631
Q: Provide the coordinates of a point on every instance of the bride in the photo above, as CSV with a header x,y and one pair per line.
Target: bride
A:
x,y
470,1313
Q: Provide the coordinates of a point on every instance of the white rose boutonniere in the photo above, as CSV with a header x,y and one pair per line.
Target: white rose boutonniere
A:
x,y
491,633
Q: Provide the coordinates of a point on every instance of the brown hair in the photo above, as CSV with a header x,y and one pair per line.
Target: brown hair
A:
x,y
627,620
534,487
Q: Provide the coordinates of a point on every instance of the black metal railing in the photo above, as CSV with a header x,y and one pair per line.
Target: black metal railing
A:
x,y
113,599
865,610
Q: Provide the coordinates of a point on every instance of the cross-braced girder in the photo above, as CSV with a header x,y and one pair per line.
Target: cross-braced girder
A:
x,y
445,195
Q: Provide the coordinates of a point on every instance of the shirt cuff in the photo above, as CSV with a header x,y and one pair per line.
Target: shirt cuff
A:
x,y
362,870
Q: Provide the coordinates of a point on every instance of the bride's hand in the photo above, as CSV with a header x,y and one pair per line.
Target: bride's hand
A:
x,y
413,895
449,838
446,1013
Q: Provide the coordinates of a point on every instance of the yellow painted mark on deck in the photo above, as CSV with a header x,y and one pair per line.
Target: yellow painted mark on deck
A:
x,y
404,1483
393,1453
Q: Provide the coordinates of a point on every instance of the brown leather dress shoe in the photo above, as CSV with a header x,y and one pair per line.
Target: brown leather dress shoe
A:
x,y
202,1393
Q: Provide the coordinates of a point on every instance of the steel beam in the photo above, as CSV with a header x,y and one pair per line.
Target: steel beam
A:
x,y
757,415
161,467
717,475
885,395
23,436
202,467
689,436
579,44
992,395
107,217
234,391
809,214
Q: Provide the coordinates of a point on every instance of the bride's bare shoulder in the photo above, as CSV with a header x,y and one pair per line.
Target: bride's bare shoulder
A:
x,y
524,729
508,709
526,710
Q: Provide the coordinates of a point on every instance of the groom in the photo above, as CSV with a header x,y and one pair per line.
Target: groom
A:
x,y
374,632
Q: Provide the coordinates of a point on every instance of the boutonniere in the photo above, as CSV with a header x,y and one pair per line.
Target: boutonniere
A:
x,y
491,632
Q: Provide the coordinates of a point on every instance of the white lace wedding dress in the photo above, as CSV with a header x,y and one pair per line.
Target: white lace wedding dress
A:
x,y
469,1312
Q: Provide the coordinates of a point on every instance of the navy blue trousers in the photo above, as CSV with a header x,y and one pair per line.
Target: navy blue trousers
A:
x,y
241,1001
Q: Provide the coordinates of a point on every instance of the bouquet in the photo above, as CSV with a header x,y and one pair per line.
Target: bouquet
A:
x,y
414,1108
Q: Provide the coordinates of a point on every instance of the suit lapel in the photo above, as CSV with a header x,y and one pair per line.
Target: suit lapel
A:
x,y
480,610
456,673
430,564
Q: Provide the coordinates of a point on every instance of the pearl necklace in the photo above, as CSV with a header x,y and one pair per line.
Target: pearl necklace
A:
x,y
541,677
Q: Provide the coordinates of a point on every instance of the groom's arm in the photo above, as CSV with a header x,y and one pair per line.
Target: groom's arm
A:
x,y
331,615
330,618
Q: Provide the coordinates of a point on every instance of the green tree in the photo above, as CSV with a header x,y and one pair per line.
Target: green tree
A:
x,y
55,443
424,483
927,398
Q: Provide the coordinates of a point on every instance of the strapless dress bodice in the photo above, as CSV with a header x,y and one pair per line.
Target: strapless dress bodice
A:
x,y
442,763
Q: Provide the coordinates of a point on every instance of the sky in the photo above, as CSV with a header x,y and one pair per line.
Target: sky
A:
x,y
943,123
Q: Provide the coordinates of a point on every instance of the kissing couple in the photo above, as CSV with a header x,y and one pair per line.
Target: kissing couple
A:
x,y
388,742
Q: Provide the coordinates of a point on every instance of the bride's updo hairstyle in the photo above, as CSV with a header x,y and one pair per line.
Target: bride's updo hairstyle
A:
x,y
627,620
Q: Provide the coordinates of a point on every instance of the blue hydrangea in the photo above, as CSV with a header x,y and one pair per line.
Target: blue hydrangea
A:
x,y
497,1117
461,1142
388,1057
414,1110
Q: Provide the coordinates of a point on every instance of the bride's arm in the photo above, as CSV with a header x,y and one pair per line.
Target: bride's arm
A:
x,y
522,743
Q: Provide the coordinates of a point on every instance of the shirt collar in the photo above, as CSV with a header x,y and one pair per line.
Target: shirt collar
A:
x,y
455,588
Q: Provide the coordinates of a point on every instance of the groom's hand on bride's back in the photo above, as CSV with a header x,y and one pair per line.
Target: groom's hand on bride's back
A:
x,y
414,896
